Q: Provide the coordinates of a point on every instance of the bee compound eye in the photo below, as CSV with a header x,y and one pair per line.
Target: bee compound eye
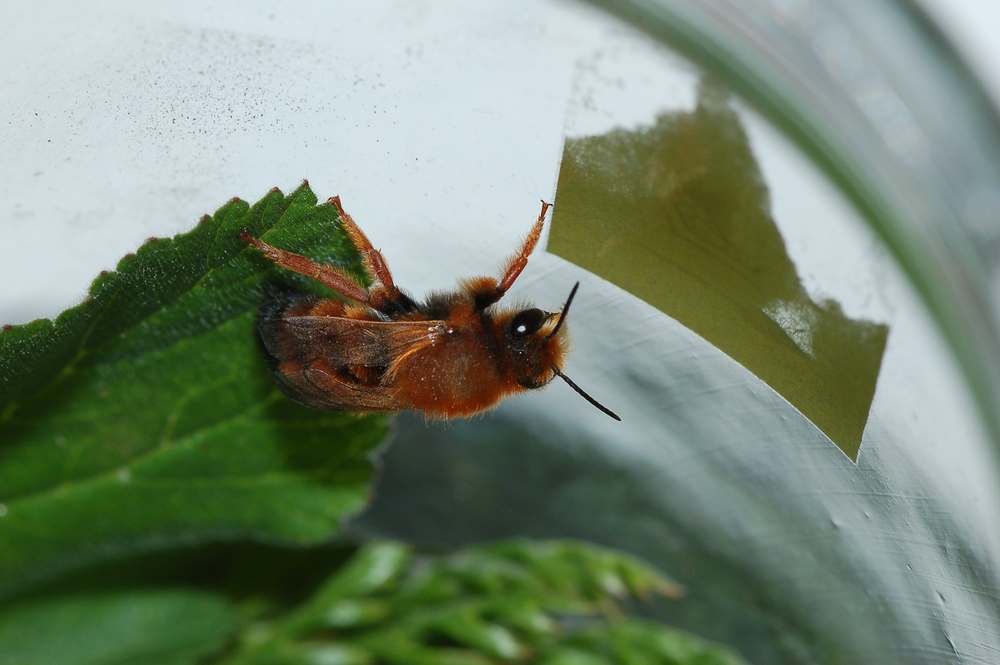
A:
x,y
527,322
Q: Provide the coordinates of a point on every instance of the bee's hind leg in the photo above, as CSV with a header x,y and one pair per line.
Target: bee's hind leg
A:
x,y
385,295
324,274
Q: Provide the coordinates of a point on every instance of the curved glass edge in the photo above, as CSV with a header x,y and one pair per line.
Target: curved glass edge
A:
x,y
917,154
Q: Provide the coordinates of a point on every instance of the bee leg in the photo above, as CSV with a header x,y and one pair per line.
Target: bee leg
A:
x,y
516,264
385,296
326,275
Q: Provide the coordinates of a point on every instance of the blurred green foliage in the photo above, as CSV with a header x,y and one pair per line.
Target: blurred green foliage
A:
x,y
141,626
552,603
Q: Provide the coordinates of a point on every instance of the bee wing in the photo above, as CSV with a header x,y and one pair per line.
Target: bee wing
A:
x,y
317,384
321,361
344,342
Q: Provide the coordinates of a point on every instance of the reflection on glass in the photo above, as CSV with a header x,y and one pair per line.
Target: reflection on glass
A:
x,y
678,214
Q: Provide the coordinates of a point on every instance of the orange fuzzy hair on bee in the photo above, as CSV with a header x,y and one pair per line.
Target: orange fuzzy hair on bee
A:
x,y
453,355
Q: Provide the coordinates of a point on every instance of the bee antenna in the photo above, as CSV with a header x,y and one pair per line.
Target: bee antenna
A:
x,y
562,317
577,388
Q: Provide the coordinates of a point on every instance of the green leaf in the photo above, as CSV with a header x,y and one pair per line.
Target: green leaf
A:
x,y
694,236
512,602
151,627
145,417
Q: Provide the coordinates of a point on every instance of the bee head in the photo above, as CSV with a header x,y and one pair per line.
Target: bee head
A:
x,y
537,341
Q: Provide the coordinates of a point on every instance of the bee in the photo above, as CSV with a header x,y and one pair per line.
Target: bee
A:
x,y
452,356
